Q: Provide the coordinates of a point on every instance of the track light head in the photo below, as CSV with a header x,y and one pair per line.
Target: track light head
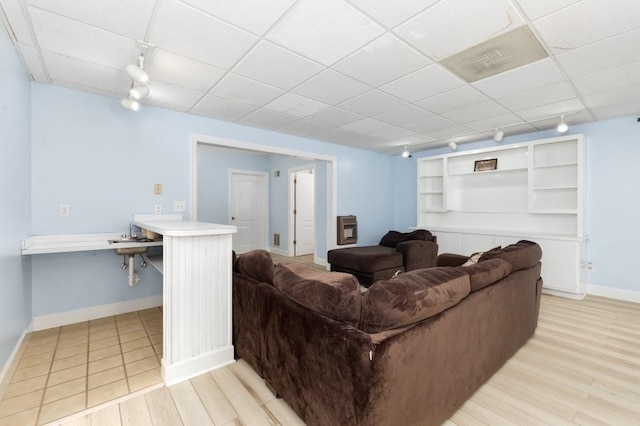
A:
x,y
139,91
406,153
130,104
562,126
453,146
499,135
137,73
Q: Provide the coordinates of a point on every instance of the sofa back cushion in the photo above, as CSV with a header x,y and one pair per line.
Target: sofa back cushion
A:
x,y
412,297
256,264
392,238
333,294
485,273
521,255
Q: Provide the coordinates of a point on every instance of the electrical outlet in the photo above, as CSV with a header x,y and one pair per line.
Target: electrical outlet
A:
x,y
179,206
157,209
63,210
589,266
157,189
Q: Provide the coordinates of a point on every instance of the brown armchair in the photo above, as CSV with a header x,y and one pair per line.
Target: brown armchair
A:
x,y
396,252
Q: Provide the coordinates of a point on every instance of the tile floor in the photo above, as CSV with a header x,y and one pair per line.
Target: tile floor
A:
x,y
65,370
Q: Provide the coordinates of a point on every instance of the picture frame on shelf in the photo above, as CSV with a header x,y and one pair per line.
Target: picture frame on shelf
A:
x,y
485,165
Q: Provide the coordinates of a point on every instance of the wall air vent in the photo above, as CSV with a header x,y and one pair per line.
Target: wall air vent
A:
x,y
507,51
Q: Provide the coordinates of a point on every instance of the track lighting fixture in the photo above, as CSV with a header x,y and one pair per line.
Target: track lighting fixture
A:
x,y
406,153
130,104
139,91
498,135
453,145
562,126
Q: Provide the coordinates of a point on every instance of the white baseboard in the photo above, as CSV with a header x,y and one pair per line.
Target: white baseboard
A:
x,y
614,293
95,312
321,261
188,368
9,367
278,251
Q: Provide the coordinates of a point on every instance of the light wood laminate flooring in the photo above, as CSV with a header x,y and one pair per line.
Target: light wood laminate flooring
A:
x,y
581,367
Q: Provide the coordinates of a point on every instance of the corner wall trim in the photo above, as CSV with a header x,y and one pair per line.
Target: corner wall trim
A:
x,y
10,366
614,293
95,312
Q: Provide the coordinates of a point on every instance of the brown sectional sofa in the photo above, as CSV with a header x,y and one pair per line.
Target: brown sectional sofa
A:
x,y
409,350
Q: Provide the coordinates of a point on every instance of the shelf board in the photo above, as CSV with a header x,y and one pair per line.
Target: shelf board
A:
x,y
431,192
551,188
547,166
433,211
520,169
568,212
431,176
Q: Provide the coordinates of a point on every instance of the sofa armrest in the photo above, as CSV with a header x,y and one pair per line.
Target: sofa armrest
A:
x,y
418,254
450,259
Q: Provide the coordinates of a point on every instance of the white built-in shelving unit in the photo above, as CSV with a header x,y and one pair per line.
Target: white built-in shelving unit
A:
x,y
535,193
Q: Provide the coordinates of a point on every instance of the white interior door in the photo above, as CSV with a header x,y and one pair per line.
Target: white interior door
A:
x,y
248,209
305,216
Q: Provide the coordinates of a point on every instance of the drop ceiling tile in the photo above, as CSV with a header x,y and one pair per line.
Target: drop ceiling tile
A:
x,y
331,87
498,121
335,117
413,140
453,100
77,40
591,21
183,30
475,112
625,75
296,105
18,22
124,17
429,124
536,74
555,109
246,91
603,55
619,95
538,96
366,125
335,135
180,71
86,74
381,61
618,110
422,84
536,9
222,108
74,86
275,66
325,31
451,132
392,133
392,13
267,119
174,97
371,103
32,59
305,128
251,15
433,32
403,115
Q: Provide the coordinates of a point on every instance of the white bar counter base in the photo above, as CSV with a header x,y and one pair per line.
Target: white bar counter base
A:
x,y
196,296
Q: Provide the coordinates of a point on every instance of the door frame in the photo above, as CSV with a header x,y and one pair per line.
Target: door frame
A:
x,y
264,188
332,174
290,216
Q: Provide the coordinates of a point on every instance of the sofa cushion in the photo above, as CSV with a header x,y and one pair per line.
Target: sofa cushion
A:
x,y
521,255
333,294
475,257
256,264
485,273
392,238
412,297
366,259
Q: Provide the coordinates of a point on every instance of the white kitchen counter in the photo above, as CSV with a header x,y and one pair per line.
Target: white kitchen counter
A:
x,y
43,244
187,228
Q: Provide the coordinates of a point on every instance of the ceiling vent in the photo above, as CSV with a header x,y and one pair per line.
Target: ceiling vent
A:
x,y
503,53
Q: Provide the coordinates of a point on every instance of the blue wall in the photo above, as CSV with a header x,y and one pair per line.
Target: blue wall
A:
x,y
612,203
15,208
103,160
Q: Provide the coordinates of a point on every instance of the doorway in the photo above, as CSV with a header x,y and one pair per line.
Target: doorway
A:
x,y
302,220
248,195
